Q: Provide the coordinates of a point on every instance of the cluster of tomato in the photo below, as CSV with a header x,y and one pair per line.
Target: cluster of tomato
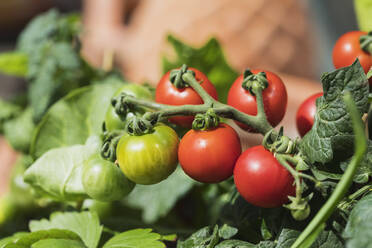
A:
x,y
214,155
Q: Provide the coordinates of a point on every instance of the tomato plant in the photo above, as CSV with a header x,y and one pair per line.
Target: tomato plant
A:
x,y
274,99
167,93
104,181
347,49
306,114
148,158
261,179
112,119
209,156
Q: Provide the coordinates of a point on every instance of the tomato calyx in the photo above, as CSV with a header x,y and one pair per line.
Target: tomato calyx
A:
x,y
110,141
279,143
366,42
176,76
206,121
137,126
254,82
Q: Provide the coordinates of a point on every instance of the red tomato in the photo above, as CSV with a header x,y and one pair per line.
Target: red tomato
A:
x,y
274,98
261,179
347,49
167,93
209,156
306,113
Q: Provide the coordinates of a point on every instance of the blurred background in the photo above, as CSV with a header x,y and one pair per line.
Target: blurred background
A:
x,y
293,38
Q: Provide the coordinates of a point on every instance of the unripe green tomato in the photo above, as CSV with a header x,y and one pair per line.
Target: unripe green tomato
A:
x,y
148,158
112,120
301,214
104,181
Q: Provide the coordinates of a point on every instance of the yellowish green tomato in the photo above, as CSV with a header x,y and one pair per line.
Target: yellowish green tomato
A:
x,y
104,181
148,158
112,120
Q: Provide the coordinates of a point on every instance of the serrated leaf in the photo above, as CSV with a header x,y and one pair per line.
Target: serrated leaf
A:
x,y
158,199
209,59
364,171
235,244
58,243
332,134
18,131
58,173
56,67
227,232
85,224
73,119
207,237
358,228
14,63
137,238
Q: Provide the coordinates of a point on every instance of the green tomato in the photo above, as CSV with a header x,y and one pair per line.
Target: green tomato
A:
x,y
148,158
104,181
112,120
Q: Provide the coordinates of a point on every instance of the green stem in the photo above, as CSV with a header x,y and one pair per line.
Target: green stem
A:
x,y
190,79
355,195
283,161
309,235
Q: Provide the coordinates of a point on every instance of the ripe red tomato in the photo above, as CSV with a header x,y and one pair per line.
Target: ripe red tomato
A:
x,y
347,49
274,98
209,156
261,179
167,93
306,113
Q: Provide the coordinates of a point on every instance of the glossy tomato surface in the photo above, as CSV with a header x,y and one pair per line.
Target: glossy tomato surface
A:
x,y
261,179
347,49
306,114
104,181
209,156
274,98
112,120
167,93
148,158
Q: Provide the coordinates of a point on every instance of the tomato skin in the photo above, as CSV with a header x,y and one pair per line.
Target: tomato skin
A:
x,y
274,98
104,181
148,158
167,93
306,114
209,156
261,179
347,49
112,120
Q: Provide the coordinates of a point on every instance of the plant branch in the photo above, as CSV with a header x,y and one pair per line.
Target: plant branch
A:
x,y
190,79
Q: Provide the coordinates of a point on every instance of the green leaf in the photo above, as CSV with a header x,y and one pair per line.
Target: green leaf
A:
x,y
364,171
85,224
158,199
56,68
235,244
58,173
137,238
14,63
18,131
11,239
7,112
332,134
227,232
206,237
358,228
26,240
37,31
73,119
209,59
58,243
